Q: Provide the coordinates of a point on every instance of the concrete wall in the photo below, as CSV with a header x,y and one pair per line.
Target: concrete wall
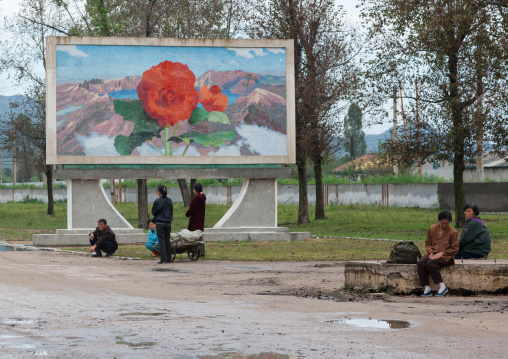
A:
x,y
490,197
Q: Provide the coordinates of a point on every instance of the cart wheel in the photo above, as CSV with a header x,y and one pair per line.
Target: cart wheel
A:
x,y
172,256
194,253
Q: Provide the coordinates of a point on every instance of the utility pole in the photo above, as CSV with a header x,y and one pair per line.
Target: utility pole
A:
x,y
1,178
418,133
479,141
14,155
395,165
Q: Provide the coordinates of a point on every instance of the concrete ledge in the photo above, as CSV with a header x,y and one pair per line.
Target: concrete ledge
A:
x,y
174,173
79,237
471,276
254,234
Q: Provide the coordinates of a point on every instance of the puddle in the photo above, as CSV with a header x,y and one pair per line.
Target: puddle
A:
x,y
170,270
140,345
149,314
14,322
248,356
373,323
15,248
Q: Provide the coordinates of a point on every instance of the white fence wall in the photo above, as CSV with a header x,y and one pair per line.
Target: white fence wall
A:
x,y
400,194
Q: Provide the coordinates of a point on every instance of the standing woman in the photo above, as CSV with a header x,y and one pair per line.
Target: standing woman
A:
x,y
196,211
162,211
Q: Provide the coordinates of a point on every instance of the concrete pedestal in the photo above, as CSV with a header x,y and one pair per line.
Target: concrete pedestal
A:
x,y
87,202
476,276
253,216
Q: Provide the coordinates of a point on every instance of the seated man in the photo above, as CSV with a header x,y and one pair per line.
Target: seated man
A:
x,y
103,239
152,243
441,243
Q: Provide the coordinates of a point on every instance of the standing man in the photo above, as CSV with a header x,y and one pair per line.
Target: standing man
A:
x,y
103,239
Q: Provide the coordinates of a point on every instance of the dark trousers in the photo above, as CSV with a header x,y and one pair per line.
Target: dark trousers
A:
x,y
467,255
164,236
433,267
106,246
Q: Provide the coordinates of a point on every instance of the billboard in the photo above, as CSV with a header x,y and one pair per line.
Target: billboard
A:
x,y
169,101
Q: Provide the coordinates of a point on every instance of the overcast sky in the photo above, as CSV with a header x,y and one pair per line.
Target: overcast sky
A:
x,y
10,7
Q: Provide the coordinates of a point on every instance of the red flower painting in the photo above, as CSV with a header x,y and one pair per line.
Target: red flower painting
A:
x,y
167,92
212,99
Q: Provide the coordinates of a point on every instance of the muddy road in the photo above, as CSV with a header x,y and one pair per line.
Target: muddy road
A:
x,y
63,305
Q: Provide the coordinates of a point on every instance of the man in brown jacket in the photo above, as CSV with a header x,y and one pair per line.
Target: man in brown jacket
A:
x,y
103,239
442,244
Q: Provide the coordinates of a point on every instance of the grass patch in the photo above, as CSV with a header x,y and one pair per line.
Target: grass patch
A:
x,y
21,220
311,250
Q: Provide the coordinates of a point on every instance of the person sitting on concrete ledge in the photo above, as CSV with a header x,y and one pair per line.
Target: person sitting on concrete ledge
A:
x,y
152,243
474,242
441,243
103,239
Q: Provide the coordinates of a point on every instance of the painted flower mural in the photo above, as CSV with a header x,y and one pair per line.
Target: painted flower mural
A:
x,y
212,99
167,92
167,97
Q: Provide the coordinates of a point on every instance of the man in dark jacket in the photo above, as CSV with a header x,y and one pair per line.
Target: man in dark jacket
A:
x,y
103,239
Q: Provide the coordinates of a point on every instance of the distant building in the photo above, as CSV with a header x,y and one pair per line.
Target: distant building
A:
x,y
366,164
494,168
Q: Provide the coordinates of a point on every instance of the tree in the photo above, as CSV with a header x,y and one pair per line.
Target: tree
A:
x,y
455,49
323,54
24,53
354,138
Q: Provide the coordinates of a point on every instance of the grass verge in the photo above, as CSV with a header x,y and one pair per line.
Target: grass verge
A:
x,y
20,220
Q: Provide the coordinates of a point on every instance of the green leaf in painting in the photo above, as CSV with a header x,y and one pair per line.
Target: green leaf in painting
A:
x,y
208,139
122,145
145,127
133,111
200,114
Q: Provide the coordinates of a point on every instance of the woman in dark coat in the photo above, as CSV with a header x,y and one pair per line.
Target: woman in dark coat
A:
x,y
474,241
162,211
196,211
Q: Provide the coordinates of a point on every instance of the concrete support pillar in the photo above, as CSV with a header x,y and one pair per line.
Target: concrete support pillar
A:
x,y
87,202
255,206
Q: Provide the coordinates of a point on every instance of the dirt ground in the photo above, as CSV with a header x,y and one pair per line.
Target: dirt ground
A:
x,y
62,305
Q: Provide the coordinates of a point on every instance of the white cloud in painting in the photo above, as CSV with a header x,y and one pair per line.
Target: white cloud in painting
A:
x,y
97,145
231,62
233,150
276,50
146,150
191,151
72,50
263,141
248,53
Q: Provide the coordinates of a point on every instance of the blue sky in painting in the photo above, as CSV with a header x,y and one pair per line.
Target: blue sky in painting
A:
x,y
76,63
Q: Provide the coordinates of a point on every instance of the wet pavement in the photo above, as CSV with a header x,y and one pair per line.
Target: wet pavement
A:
x,y
59,305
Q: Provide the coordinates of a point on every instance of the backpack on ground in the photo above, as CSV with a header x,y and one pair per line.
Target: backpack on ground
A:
x,y
405,252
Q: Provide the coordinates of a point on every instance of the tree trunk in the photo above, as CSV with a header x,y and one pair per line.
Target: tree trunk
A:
x,y
191,192
458,188
303,201
49,181
318,176
184,190
458,141
142,204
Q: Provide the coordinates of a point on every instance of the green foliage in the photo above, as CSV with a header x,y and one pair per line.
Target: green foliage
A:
x,y
403,178
353,141
28,200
